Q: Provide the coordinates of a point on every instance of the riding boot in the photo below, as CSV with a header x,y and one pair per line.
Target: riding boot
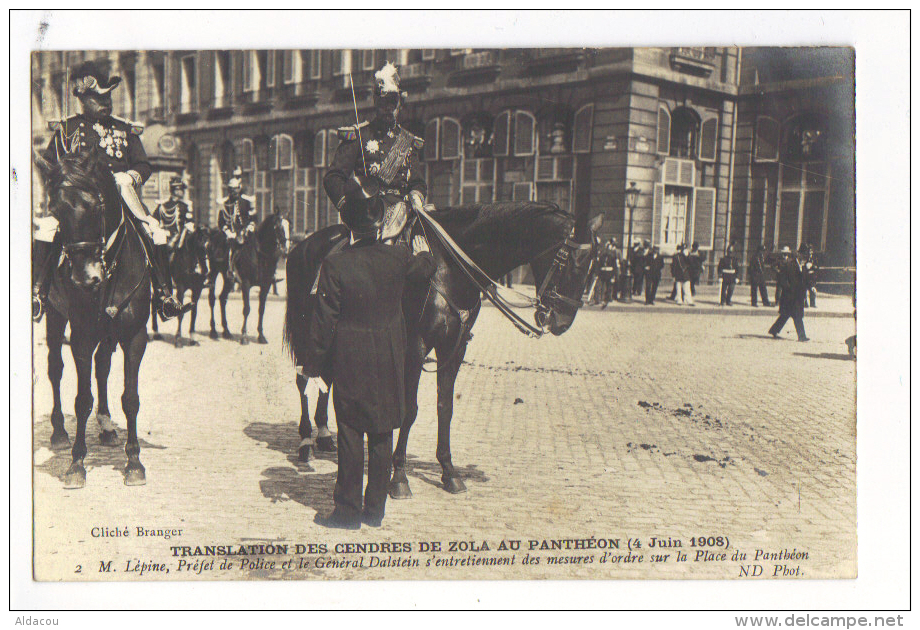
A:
x,y
166,305
43,253
203,265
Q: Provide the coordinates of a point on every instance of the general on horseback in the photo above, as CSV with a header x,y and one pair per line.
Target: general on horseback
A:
x,y
117,144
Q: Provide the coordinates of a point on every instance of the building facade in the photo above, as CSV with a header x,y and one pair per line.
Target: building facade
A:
x,y
692,127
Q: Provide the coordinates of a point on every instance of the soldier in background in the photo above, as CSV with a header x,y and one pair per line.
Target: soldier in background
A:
x,y
728,271
810,269
757,271
608,269
175,216
680,270
695,262
237,218
654,263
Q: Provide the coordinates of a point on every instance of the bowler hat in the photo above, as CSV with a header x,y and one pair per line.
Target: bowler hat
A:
x,y
90,76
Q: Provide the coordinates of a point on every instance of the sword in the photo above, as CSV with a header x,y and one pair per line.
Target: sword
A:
x,y
354,100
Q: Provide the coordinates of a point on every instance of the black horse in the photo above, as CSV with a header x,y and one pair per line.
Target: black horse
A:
x,y
498,237
183,268
218,249
102,287
255,264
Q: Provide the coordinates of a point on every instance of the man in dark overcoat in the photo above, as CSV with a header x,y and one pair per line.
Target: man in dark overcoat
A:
x,y
358,335
654,263
791,297
757,272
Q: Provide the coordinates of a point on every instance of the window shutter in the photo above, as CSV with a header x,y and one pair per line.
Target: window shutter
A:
x,y
523,134
450,139
704,215
319,150
273,153
766,142
500,134
431,140
582,129
285,152
686,173
657,207
709,132
664,131
332,143
247,71
522,191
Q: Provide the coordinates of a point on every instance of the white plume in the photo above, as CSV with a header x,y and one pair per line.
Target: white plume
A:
x,y
387,78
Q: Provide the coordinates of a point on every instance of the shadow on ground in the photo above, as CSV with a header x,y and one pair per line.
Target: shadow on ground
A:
x,y
825,355
97,455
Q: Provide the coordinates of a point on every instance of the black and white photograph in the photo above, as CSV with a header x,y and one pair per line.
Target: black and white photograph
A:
x,y
374,313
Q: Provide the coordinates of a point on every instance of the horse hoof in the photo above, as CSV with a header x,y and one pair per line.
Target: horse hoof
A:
x,y
244,340
213,335
305,453
108,438
454,485
227,334
60,440
326,444
400,490
157,337
193,343
75,477
262,339
135,476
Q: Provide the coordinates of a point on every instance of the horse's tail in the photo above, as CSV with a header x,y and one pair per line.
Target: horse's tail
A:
x,y
302,265
298,292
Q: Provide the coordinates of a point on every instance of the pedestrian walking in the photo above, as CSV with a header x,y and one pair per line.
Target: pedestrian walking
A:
x,y
654,263
757,272
792,296
728,272
358,335
680,270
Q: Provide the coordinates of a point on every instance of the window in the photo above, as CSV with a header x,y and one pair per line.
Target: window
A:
x,y
263,194
450,139
270,68
367,60
305,202
582,129
766,142
685,126
130,92
332,143
158,76
522,191
293,66
664,131
674,214
500,131
431,140
188,86
524,126
554,168
252,71
478,181
319,149
709,132
222,85
428,54
804,139
341,62
247,155
316,64
282,150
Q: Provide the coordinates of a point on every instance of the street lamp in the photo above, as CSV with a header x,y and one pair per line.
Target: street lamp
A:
x,y
632,199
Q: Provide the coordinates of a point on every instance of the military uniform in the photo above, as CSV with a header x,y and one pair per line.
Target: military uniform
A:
x,y
728,271
758,278
236,214
386,160
174,215
116,140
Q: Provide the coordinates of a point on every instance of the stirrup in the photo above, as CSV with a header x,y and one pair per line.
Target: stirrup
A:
x,y
38,308
170,307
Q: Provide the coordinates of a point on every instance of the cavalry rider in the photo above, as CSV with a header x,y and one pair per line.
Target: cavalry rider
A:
x,y
237,217
118,143
382,156
176,217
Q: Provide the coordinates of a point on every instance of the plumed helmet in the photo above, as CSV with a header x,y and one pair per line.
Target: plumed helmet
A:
x,y
386,83
235,183
90,76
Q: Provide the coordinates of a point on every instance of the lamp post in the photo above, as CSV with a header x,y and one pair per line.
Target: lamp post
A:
x,y
632,199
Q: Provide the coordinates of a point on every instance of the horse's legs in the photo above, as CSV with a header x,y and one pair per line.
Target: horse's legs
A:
x,y
81,345
153,322
212,297
133,350
54,337
399,483
180,293
447,376
196,294
224,294
305,450
103,360
263,296
245,289
324,439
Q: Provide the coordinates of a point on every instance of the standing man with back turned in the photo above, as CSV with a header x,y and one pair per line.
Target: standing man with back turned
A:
x,y
358,335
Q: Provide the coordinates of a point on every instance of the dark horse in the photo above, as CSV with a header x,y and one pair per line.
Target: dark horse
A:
x,y
218,249
255,263
183,267
498,237
102,287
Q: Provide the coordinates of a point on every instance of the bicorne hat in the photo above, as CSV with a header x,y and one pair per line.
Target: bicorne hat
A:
x,y
90,76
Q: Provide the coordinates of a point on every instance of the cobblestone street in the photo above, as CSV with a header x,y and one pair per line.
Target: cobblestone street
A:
x,y
631,425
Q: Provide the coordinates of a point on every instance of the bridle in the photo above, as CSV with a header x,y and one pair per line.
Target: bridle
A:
x,y
96,248
548,297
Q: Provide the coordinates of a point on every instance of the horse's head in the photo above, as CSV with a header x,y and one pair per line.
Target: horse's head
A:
x,y
76,201
559,295
278,230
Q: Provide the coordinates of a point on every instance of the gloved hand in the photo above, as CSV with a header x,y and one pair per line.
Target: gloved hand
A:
x,y
420,244
123,179
416,199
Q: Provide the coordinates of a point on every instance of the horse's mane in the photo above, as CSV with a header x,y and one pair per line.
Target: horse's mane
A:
x,y
469,221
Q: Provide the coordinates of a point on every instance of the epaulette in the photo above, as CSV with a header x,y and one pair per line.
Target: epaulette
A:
x,y
417,142
249,198
62,124
136,127
223,200
351,132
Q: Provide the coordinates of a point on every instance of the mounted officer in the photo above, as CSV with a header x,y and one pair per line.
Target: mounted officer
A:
x,y
118,143
237,217
382,156
176,217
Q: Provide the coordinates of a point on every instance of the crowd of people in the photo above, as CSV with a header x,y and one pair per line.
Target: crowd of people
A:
x,y
623,277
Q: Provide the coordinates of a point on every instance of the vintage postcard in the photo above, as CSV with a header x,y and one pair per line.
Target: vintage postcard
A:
x,y
444,313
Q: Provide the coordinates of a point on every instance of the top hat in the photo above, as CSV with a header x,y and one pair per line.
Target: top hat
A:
x,y
92,77
176,182
362,213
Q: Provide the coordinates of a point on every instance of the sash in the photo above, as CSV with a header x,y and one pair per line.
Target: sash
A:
x,y
396,157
